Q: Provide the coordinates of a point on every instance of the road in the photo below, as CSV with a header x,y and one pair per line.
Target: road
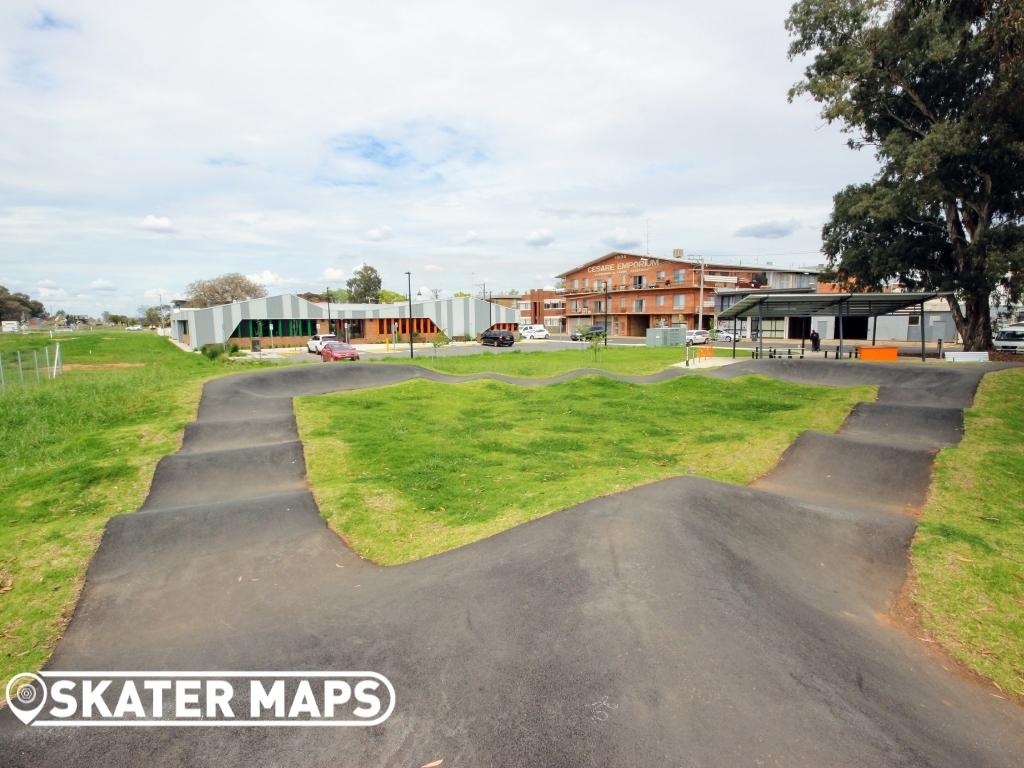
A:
x,y
682,623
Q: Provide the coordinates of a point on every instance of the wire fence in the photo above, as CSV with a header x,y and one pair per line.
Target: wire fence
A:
x,y
29,367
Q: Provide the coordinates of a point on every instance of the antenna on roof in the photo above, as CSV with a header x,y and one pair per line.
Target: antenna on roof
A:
x,y
647,246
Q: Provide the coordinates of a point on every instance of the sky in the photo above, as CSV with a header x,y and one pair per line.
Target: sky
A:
x,y
145,145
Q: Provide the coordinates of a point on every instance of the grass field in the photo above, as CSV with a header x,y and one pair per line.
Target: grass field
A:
x,y
635,361
73,452
969,551
480,457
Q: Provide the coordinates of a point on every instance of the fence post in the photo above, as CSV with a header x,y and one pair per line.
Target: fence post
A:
x,y
3,384
21,372
46,351
58,364
35,363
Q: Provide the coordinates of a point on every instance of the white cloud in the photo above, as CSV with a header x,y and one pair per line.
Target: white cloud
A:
x,y
333,273
270,278
48,290
621,240
539,238
102,285
157,224
156,294
378,234
769,230
432,268
470,238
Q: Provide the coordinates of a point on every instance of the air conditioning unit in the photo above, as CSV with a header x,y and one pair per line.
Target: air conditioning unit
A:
x,y
677,253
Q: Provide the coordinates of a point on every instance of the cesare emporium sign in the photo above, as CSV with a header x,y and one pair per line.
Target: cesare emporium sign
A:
x,y
177,699
624,266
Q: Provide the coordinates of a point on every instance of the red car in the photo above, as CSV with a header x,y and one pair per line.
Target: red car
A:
x,y
338,350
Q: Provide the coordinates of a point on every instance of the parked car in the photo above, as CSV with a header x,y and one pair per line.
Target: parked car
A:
x,y
316,344
1010,339
534,332
338,350
724,336
697,337
498,338
586,334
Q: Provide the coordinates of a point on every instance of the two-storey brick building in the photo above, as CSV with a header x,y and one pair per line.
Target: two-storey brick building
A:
x,y
637,292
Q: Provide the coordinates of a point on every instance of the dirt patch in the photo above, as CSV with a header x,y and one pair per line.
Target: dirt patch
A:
x,y
99,366
904,615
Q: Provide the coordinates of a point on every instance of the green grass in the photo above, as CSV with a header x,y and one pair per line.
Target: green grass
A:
x,y
412,470
968,554
636,361
74,452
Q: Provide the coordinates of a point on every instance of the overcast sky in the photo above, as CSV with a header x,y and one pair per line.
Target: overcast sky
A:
x,y
144,145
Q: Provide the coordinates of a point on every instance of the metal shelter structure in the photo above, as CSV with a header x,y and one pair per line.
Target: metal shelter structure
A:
x,y
838,305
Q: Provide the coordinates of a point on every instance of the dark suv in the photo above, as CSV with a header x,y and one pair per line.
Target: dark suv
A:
x,y
498,338
586,334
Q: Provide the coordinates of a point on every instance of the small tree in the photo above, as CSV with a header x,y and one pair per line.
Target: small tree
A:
x,y
596,343
440,340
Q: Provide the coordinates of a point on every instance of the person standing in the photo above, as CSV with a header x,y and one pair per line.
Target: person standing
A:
x,y
815,342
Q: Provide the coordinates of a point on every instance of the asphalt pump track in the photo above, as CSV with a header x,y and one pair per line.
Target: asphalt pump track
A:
x,y
681,623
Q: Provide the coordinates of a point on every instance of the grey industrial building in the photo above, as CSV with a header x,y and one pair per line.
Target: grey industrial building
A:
x,y
289,320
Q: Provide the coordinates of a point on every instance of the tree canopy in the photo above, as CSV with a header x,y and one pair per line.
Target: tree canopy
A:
x,y
223,290
19,306
364,285
391,297
936,89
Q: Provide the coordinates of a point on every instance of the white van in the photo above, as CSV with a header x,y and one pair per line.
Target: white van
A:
x,y
316,344
1010,339
534,332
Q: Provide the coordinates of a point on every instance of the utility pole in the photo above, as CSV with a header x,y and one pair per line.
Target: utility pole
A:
x,y
327,295
607,299
490,310
700,297
409,276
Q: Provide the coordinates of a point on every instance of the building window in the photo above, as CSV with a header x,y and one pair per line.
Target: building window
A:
x,y
586,283
625,280
661,301
576,284
638,281
661,276
575,306
638,305
679,301
678,275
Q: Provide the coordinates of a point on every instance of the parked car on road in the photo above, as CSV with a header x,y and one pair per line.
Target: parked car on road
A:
x,y
338,350
724,336
534,332
586,334
697,337
1010,339
498,338
316,344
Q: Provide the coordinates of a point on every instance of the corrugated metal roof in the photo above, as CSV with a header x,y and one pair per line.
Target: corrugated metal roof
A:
x,y
828,304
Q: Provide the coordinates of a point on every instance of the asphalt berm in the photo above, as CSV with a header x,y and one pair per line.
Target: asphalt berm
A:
x,y
682,623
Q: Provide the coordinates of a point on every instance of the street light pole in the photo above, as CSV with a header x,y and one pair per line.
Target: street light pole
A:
x,y
607,298
700,297
409,276
327,295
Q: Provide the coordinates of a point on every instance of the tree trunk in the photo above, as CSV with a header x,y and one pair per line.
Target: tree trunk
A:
x,y
974,324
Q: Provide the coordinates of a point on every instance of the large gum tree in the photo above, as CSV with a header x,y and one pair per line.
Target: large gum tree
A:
x,y
936,88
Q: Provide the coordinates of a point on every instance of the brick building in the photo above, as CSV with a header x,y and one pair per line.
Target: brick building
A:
x,y
541,306
640,292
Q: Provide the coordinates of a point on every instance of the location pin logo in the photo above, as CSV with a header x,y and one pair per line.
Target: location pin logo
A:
x,y
26,695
